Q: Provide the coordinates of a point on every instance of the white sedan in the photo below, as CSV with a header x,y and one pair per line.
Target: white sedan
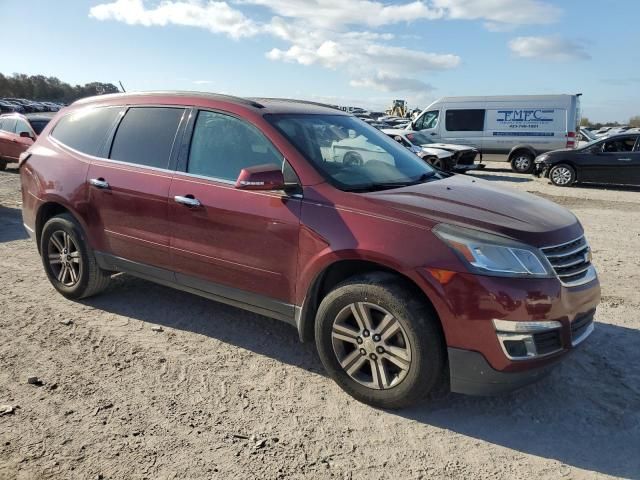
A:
x,y
458,158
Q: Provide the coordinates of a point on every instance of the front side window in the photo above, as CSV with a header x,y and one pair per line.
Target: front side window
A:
x,y
222,145
464,120
428,120
86,130
619,145
21,126
350,154
146,135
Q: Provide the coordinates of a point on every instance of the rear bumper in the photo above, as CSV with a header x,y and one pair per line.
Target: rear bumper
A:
x,y
471,374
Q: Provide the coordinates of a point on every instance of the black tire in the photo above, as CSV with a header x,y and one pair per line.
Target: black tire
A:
x,y
91,279
3,165
420,326
522,161
562,175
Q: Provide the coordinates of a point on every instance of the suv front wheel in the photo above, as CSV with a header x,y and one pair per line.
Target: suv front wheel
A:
x,y
378,342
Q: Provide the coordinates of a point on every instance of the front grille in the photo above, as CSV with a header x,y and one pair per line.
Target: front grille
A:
x,y
580,326
571,261
467,158
547,342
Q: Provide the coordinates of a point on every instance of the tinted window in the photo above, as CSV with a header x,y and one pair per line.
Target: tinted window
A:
x,y
9,125
465,120
222,145
38,125
145,136
624,144
85,130
21,126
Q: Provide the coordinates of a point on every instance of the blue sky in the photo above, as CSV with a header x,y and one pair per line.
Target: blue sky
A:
x,y
361,52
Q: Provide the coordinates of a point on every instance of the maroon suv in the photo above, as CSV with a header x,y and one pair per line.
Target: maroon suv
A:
x,y
405,276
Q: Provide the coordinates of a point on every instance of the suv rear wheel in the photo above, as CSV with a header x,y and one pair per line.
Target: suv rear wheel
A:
x,y
3,164
378,342
68,260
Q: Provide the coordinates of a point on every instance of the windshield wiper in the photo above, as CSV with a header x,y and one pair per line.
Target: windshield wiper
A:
x,y
372,187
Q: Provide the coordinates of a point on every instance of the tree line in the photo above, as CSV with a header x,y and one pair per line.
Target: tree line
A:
x,y
633,122
39,87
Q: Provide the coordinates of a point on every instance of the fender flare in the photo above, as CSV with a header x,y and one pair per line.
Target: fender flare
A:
x,y
523,146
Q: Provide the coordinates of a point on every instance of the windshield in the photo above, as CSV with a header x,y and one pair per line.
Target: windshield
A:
x,y
419,138
350,154
38,125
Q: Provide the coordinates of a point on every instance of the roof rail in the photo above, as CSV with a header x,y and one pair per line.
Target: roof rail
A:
x,y
217,96
294,100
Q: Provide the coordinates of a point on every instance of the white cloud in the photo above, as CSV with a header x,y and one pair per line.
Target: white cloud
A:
x,y
202,82
217,17
391,83
335,34
553,48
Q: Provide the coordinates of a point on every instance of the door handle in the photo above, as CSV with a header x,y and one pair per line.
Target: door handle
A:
x,y
99,183
624,159
187,200
433,133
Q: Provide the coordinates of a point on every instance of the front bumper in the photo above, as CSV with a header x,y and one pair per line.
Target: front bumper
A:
x,y
471,374
541,169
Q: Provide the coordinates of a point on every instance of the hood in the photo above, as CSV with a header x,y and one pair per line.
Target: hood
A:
x,y
483,205
438,152
449,146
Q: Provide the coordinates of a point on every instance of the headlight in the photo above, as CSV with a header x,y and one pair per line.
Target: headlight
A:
x,y
541,158
494,255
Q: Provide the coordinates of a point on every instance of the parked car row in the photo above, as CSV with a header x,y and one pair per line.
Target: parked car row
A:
x,y
22,105
17,134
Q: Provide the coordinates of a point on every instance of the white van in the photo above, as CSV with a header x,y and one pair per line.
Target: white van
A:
x,y
508,128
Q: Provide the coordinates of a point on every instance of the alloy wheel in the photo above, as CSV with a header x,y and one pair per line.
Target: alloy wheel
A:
x,y
561,176
371,345
64,258
522,163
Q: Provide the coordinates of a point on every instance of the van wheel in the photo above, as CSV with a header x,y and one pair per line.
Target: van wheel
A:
x,y
352,159
522,162
381,344
69,261
562,175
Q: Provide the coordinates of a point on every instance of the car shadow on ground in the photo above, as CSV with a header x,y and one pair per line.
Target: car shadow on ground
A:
x,y
585,414
11,227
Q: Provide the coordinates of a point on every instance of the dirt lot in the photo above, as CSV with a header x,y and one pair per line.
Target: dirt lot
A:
x,y
221,393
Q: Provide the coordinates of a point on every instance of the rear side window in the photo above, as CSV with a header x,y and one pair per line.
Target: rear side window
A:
x,y
464,120
222,145
86,130
146,135
9,125
38,125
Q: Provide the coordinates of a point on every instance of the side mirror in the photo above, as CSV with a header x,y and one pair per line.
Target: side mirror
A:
x,y
26,135
261,177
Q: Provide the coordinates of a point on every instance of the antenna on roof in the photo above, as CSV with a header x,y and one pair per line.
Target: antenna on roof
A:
x,y
122,87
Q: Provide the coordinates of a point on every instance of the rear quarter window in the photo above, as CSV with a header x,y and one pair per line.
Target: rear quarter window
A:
x,y
86,130
146,136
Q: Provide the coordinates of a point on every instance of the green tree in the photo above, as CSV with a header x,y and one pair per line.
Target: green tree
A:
x,y
39,87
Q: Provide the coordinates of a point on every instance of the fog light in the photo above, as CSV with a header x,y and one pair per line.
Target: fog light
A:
x,y
515,348
518,339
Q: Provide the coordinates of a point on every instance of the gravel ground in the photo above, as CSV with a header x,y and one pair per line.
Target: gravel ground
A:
x,y
147,382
